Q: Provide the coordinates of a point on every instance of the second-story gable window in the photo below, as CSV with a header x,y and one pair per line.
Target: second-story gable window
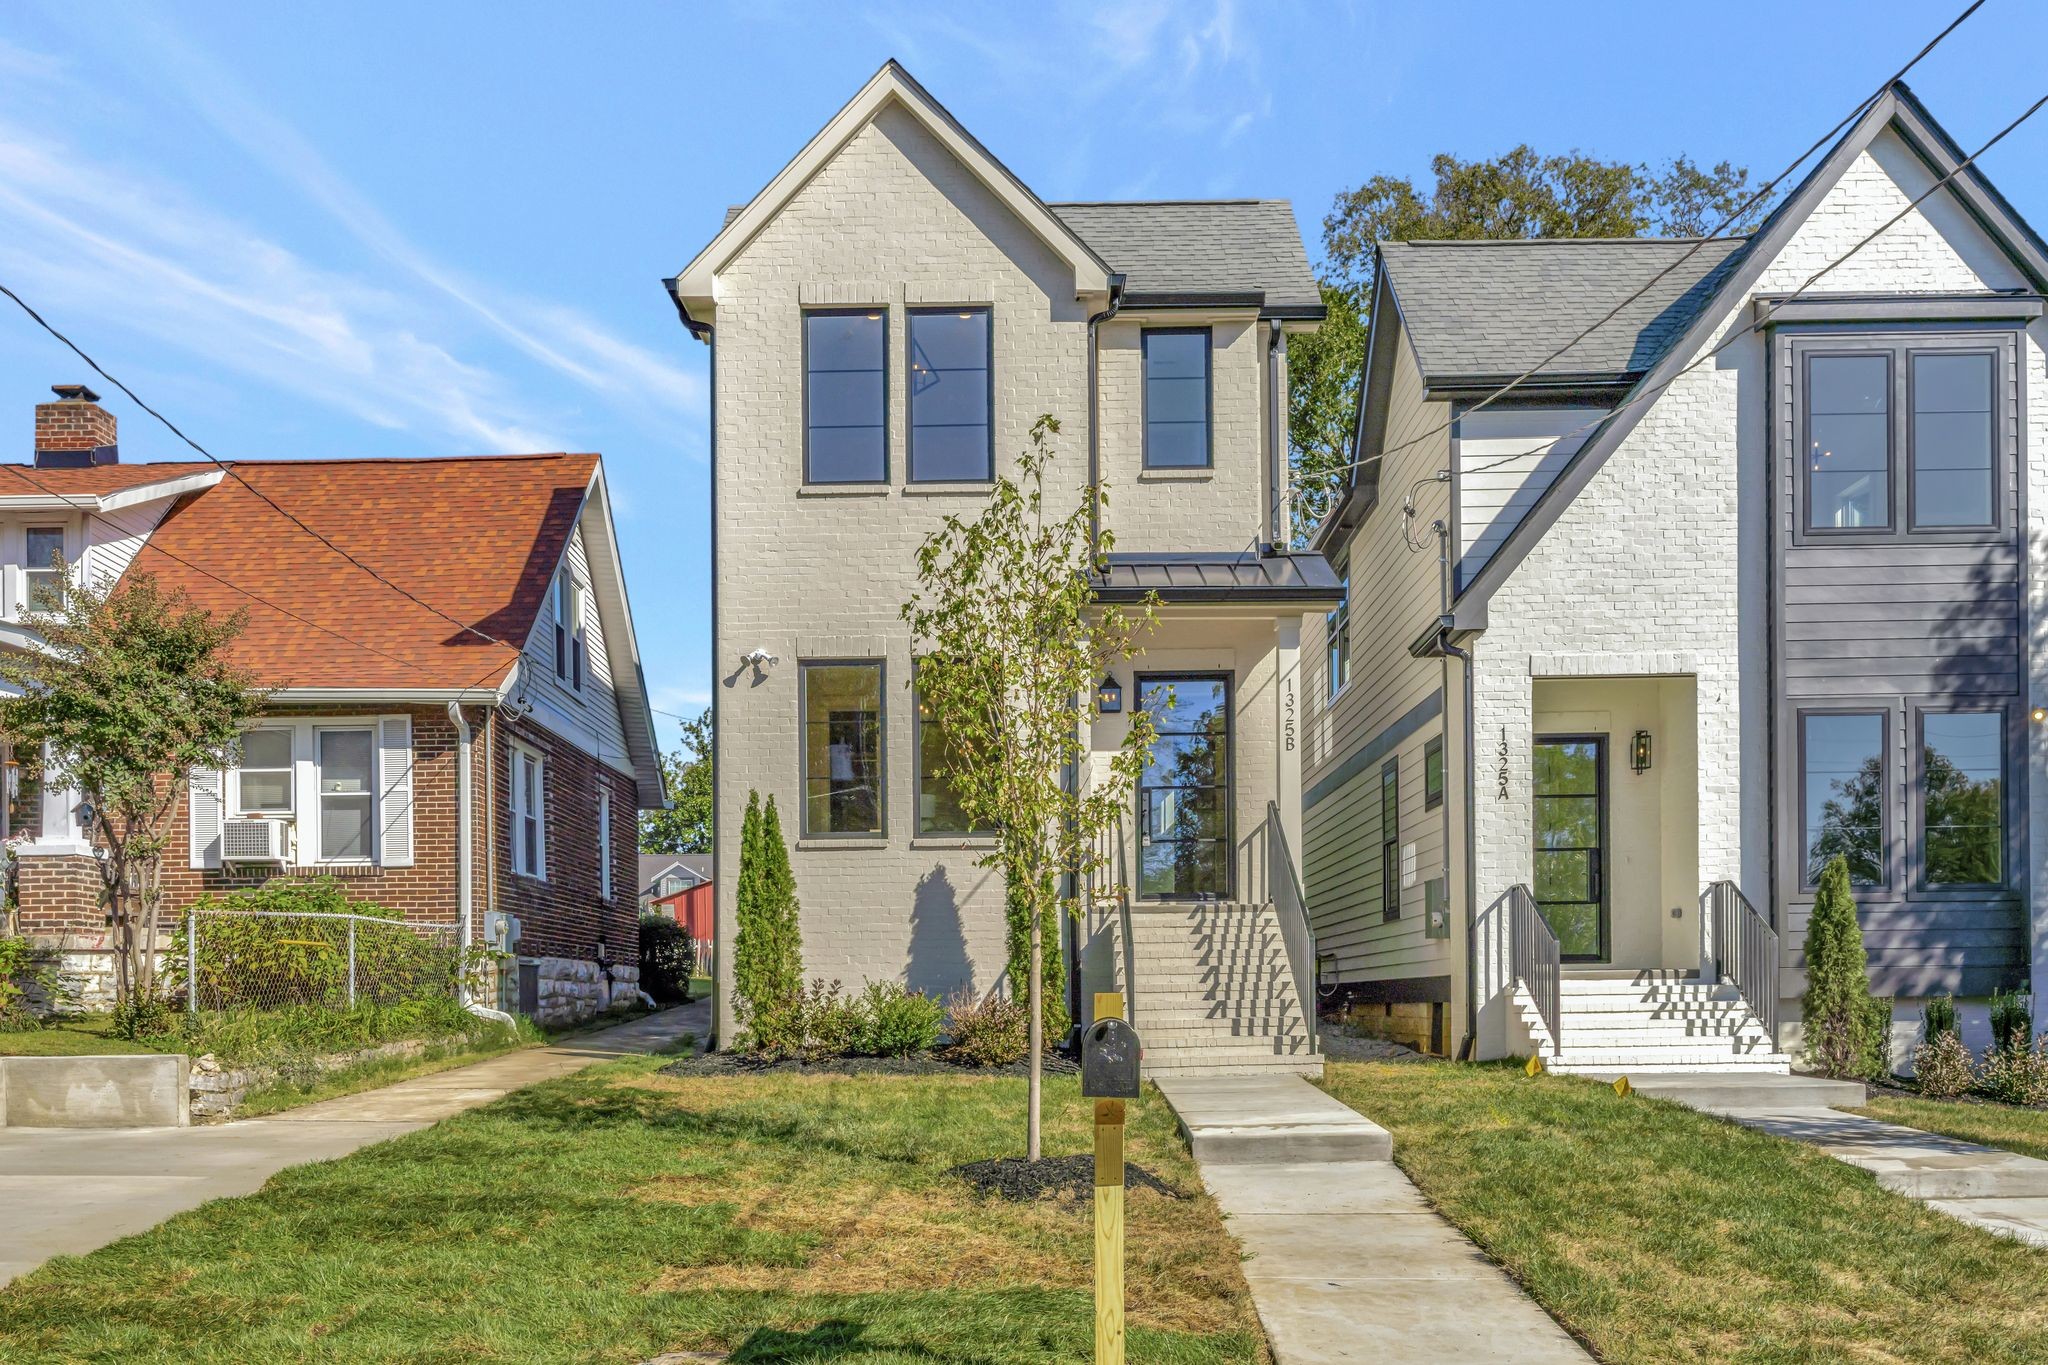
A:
x,y
1848,442
952,396
571,651
529,814
1177,398
43,567
846,399
1337,630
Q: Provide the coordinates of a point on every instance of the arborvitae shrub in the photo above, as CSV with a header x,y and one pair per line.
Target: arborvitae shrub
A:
x,y
1844,1036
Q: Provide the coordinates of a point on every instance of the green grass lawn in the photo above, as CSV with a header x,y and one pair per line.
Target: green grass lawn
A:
x,y
619,1213
1994,1125
1658,1234
86,1036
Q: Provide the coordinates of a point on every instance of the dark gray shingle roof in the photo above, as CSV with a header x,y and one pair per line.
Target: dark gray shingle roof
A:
x,y
1494,309
1220,576
1201,246
654,865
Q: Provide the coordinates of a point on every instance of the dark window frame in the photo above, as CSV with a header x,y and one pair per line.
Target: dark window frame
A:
x,y
1229,839
1208,395
1804,370
1433,751
1912,437
804,381
1887,716
917,774
803,776
911,315
1337,635
1390,841
2011,756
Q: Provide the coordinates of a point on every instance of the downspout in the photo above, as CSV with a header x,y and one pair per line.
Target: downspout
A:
x,y
1276,439
465,819
1470,746
1116,301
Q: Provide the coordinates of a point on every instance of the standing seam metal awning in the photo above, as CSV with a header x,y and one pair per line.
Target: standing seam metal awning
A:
x,y
1305,580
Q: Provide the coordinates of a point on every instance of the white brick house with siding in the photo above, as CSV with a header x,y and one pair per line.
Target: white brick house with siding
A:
x,y
887,318
1750,576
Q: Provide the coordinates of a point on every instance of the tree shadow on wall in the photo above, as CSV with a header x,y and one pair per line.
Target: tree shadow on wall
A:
x,y
937,963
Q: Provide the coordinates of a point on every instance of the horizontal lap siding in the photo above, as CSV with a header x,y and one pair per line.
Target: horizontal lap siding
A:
x,y
1897,622
1395,596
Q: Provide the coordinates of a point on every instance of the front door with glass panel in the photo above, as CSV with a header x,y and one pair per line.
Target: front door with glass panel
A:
x,y
1184,794
1570,810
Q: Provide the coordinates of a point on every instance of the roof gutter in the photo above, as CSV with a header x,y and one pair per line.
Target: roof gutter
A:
x,y
1116,301
699,330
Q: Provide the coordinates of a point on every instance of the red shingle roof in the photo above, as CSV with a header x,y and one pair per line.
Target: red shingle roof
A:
x,y
477,537
25,481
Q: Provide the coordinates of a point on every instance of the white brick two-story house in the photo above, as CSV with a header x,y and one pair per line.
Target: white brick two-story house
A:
x,y
887,318
1748,577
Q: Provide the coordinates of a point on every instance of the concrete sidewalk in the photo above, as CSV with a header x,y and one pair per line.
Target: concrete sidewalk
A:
x,y
70,1191
1345,1258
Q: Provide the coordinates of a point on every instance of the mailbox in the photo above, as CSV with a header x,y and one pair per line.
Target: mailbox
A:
x,y
1109,1061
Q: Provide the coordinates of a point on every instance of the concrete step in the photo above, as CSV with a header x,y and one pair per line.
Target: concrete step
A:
x,y
1235,1121
1747,1090
1568,1065
1224,1047
1279,1066
1630,1030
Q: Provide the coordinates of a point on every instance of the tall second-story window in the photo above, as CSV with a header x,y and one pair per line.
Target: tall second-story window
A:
x,y
42,567
1177,398
1848,442
1337,633
846,396
570,649
1955,462
952,438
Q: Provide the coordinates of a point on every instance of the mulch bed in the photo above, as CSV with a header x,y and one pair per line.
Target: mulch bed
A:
x,y
1061,1177
925,1064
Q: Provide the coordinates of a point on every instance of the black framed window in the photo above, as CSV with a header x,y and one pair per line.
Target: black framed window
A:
x,y
1177,398
846,396
1848,445
1842,801
1184,793
1962,798
1337,632
952,396
938,807
1433,773
842,758
1954,452
1390,840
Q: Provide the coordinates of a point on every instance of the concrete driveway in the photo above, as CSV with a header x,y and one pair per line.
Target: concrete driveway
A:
x,y
67,1191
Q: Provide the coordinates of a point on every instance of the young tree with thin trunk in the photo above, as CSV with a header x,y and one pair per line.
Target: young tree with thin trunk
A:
x,y
133,691
1010,640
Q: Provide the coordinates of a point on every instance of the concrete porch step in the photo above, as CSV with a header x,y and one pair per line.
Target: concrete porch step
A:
x,y
1717,1090
1232,1121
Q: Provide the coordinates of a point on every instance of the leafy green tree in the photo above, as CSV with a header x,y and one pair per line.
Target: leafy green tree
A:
x,y
1840,1018
133,691
1520,194
1010,638
685,827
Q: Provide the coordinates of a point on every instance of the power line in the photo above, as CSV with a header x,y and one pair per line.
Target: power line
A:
x,y
1697,246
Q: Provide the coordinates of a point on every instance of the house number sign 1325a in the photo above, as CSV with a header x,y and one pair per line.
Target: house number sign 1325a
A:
x,y
1503,795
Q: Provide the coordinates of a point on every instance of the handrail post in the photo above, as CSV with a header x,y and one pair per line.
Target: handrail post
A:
x,y
351,962
191,962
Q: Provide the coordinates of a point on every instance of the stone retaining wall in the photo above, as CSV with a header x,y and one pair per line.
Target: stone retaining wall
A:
x,y
217,1091
573,990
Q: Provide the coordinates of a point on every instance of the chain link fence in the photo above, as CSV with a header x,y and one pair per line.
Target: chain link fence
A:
x,y
260,959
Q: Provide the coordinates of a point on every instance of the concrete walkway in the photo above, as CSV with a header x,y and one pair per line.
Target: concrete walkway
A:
x,y
67,1191
1345,1258
1994,1189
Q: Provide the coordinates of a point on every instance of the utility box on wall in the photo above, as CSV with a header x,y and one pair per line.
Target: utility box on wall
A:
x,y
1436,909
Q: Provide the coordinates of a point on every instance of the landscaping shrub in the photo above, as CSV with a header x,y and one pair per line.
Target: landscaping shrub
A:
x,y
1939,1017
2012,1021
2017,1075
1944,1067
767,952
667,957
987,1032
897,1022
1846,1032
144,1018
20,964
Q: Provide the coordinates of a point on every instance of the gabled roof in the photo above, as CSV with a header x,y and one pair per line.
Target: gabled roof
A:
x,y
692,287
1198,250
654,866
1480,312
101,488
477,537
1896,109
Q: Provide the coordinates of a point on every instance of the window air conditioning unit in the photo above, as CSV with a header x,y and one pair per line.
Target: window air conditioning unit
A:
x,y
253,841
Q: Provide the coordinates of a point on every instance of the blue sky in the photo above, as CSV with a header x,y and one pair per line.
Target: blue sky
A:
x,y
384,229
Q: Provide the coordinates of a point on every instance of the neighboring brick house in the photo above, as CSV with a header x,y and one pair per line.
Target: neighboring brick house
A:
x,y
888,317
514,674
1745,578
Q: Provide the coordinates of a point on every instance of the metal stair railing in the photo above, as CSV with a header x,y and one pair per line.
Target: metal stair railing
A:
x,y
1535,960
1743,951
1299,936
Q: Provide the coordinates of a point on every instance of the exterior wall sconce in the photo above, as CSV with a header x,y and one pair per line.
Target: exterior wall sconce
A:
x,y
1109,695
2040,714
1639,751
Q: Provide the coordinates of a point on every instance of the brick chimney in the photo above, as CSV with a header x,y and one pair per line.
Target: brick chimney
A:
x,y
75,431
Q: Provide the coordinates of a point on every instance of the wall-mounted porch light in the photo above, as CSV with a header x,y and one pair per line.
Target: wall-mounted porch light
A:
x,y
1109,695
1639,751
2040,714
